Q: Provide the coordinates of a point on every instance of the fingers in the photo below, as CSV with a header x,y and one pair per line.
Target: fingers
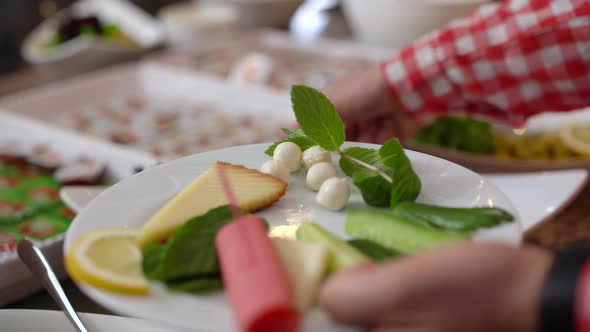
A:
x,y
386,130
366,295
352,131
367,132
376,131
460,287
392,293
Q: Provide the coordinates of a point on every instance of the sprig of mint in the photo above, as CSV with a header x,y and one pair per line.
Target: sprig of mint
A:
x,y
385,177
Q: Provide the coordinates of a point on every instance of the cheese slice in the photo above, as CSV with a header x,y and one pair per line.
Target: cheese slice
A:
x,y
254,191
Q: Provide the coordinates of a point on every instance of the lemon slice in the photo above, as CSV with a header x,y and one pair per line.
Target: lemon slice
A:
x,y
109,259
577,138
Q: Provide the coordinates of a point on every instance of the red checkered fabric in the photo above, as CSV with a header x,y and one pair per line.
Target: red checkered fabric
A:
x,y
507,60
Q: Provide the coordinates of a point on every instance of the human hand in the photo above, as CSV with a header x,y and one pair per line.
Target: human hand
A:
x,y
367,108
461,288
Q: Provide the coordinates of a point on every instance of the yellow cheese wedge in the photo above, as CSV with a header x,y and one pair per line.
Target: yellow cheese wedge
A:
x,y
254,191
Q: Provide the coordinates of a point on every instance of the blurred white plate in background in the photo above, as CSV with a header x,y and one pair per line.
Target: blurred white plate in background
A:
x,y
145,31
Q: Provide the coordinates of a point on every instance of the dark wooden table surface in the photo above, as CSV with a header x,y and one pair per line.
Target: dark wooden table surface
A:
x,y
570,225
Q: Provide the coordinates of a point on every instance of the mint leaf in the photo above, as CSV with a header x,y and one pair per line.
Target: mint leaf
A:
x,y
388,165
152,257
198,286
191,251
406,188
296,136
376,191
317,117
406,184
462,220
370,156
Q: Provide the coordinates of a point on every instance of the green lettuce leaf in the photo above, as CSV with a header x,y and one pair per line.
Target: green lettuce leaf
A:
x,y
458,133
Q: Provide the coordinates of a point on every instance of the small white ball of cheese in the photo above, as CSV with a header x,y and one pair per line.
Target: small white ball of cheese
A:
x,y
319,173
290,154
315,154
334,194
276,168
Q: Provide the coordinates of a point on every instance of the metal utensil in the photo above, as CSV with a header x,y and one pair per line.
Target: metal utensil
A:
x,y
36,262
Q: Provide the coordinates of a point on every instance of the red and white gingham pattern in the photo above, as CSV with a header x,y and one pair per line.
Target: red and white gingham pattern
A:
x,y
506,60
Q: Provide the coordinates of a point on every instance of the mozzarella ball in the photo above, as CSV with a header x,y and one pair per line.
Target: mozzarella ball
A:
x,y
315,154
276,168
319,173
290,154
334,194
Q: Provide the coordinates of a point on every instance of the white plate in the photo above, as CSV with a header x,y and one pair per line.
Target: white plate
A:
x,y
144,30
534,203
56,321
131,202
77,197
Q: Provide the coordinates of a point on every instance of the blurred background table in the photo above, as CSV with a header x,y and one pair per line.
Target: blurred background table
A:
x,y
316,19
570,225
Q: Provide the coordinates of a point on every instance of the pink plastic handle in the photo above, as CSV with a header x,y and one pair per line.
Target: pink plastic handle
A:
x,y
254,279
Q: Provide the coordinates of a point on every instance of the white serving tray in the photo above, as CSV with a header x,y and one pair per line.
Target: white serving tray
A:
x,y
163,77
166,85
16,281
149,79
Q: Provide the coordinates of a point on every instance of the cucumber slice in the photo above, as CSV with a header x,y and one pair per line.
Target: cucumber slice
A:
x,y
305,265
394,233
343,254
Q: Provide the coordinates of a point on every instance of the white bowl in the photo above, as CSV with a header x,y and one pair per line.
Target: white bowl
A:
x,y
189,25
145,32
263,13
397,23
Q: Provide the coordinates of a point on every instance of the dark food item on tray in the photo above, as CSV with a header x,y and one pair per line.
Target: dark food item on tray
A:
x,y
72,26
